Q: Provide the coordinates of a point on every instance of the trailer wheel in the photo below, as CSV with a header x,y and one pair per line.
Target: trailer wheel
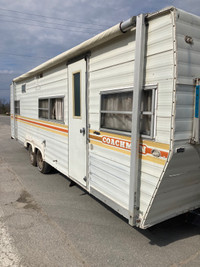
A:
x,y
43,167
32,156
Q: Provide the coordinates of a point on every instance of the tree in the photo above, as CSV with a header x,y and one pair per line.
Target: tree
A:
x,y
4,106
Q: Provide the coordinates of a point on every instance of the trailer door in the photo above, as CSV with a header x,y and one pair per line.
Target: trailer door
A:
x,y
77,121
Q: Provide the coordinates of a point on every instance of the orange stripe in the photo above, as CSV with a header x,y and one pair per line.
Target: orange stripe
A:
x,y
144,153
44,125
111,134
99,138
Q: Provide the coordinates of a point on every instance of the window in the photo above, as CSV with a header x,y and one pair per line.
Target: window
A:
x,y
23,88
148,112
116,111
44,108
17,107
77,94
51,109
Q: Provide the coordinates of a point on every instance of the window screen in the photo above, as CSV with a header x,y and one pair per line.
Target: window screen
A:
x,y
51,108
116,111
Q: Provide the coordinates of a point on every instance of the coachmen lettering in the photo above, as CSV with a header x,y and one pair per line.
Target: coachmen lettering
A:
x,y
116,142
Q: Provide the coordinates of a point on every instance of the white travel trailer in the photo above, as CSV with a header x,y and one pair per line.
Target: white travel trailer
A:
x,y
119,115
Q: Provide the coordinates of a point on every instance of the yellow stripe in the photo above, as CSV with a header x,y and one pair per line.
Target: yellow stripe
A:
x,y
43,121
155,144
142,141
143,157
43,128
112,135
110,147
153,159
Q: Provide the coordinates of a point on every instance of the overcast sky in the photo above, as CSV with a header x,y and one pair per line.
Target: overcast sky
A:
x,y
32,31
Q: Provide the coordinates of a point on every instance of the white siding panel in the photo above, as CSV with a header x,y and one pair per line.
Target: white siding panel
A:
x,y
116,52
160,71
114,77
111,67
52,84
111,179
188,57
180,186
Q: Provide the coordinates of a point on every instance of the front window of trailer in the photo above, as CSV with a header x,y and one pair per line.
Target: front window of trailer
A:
x,y
116,111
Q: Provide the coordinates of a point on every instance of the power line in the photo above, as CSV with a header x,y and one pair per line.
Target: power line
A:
x,y
40,21
39,15
46,27
9,54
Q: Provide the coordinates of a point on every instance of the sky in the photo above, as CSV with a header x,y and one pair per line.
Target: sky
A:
x,y
33,31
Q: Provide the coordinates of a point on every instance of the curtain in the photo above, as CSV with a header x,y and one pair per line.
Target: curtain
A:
x,y
57,109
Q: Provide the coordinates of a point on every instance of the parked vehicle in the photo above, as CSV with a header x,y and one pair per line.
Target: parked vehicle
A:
x,y
119,115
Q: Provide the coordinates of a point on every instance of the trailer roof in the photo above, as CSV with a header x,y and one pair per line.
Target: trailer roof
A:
x,y
82,48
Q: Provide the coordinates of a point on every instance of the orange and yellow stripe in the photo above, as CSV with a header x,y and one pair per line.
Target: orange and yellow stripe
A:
x,y
121,143
115,142
57,128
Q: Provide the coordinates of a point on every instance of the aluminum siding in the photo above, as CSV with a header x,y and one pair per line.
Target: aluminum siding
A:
x,y
112,67
52,84
179,190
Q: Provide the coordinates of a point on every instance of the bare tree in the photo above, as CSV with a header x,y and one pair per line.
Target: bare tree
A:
x,y
4,106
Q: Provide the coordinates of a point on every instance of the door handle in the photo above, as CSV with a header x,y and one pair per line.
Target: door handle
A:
x,y
82,131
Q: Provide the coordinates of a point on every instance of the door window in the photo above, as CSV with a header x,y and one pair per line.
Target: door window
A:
x,y
77,95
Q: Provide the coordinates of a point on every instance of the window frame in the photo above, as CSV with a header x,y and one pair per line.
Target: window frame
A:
x,y
49,108
17,108
152,113
80,94
23,88
114,91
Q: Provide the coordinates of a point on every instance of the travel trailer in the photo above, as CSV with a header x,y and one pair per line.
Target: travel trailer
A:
x,y
119,115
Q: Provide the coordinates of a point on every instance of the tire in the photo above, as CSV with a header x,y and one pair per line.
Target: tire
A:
x,y
32,156
43,167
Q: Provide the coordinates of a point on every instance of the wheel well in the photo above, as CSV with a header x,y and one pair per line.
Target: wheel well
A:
x,y
27,145
34,149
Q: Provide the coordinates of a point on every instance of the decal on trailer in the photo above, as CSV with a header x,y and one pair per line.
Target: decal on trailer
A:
x,y
148,150
124,144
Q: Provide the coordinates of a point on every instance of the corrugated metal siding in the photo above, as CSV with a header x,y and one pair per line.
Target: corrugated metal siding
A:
x,y
160,71
110,178
179,190
53,83
110,70
111,67
188,68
